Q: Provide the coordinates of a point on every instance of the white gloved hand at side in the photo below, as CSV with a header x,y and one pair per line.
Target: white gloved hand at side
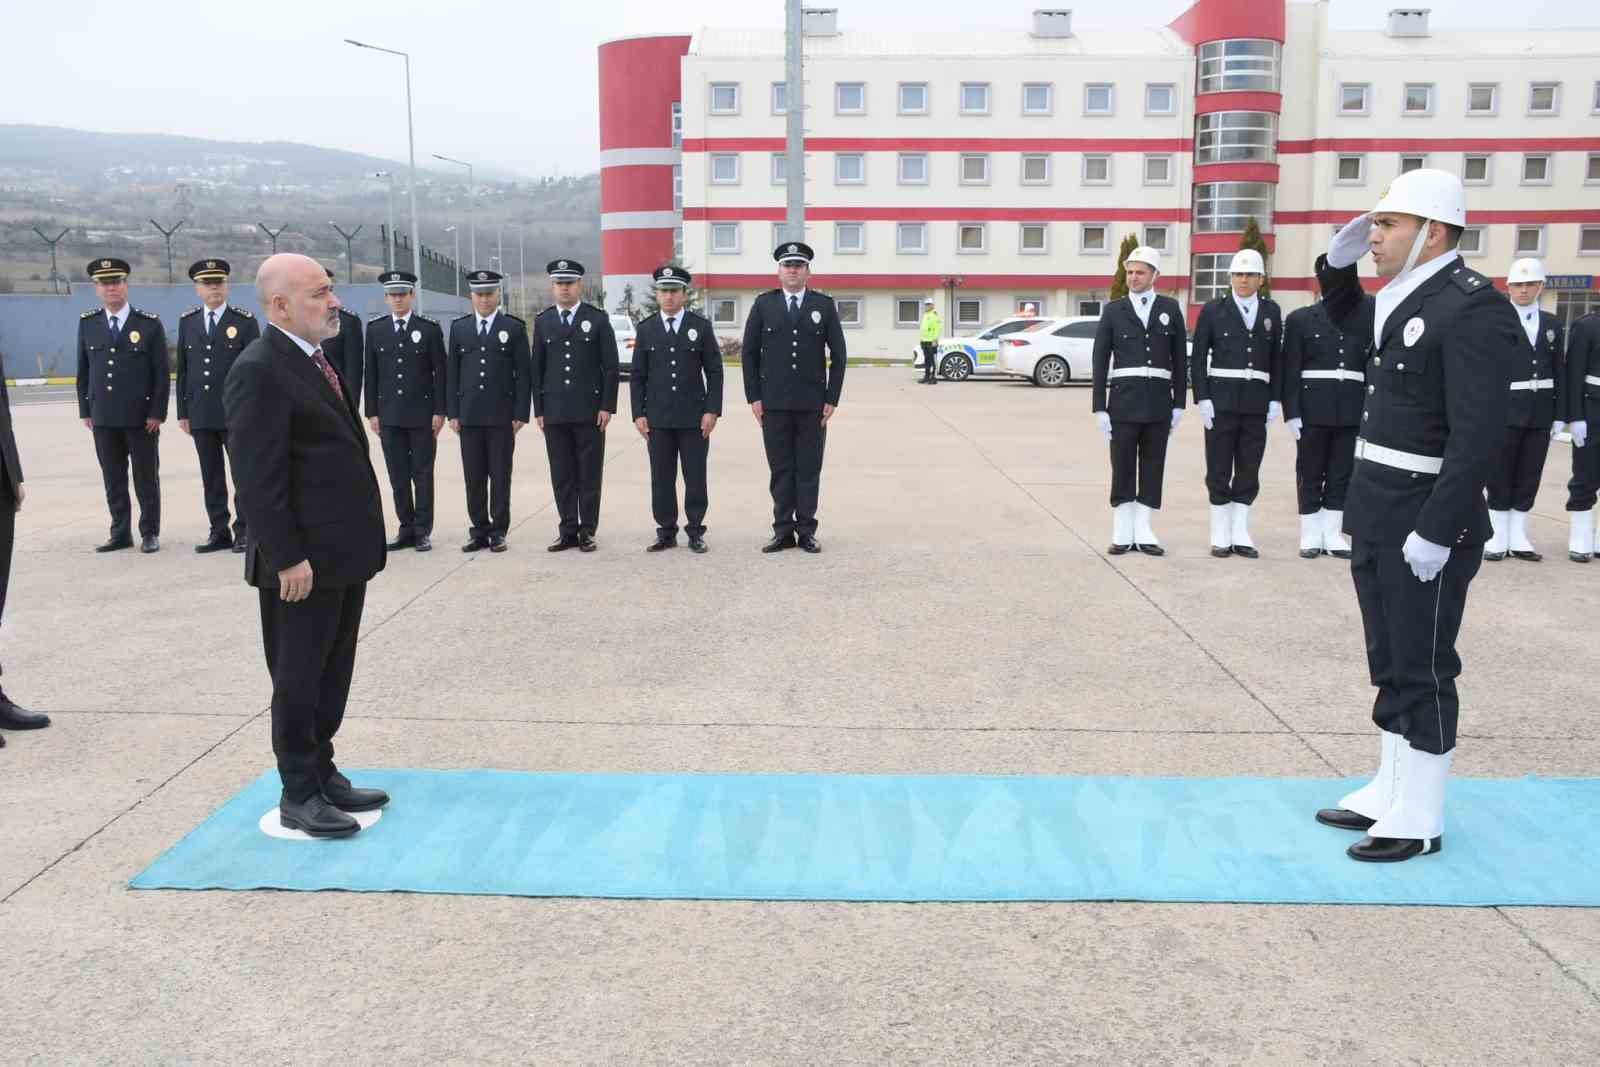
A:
x,y
1556,427
1425,558
1103,419
1294,427
1177,417
1580,432
1208,413
1274,409
1351,243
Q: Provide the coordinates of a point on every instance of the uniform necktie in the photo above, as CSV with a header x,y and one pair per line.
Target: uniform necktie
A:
x,y
672,326
116,329
483,328
211,324
327,372
399,325
794,307
566,320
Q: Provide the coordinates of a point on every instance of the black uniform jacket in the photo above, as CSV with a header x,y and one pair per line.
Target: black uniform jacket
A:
x,y
488,381
793,366
1122,342
676,379
122,384
575,371
203,363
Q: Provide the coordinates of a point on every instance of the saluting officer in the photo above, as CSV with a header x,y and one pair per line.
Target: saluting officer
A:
x,y
210,338
489,378
575,376
1235,370
406,404
1324,385
345,348
122,396
793,389
677,400
1139,349
1582,398
1435,416
1533,416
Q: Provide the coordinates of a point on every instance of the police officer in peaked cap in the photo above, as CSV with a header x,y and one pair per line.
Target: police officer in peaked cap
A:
x,y
488,390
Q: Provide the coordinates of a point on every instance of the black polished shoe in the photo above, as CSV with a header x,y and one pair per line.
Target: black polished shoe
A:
x,y
315,816
586,543
150,544
662,544
1339,553
809,544
1221,553
1246,551
338,791
477,544
497,543
16,717
562,544
1392,849
1529,557
218,543
1310,553
1117,550
1344,819
424,543
402,541
116,544
697,545
779,543
1579,557
239,543
1494,557
1150,550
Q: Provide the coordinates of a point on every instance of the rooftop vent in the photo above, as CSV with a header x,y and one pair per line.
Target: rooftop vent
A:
x,y
1408,22
1052,22
820,21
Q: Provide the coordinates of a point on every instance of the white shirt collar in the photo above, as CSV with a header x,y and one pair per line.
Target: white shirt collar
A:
x,y
305,346
221,311
402,320
1389,297
1247,305
787,296
666,320
1530,323
489,319
573,310
116,318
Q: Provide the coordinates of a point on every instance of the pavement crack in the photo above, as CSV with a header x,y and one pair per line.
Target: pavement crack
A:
x,y
1527,935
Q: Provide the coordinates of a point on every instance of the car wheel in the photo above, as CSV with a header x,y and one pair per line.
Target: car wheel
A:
x,y
956,367
1051,371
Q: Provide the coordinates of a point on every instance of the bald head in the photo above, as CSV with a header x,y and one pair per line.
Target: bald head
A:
x,y
297,297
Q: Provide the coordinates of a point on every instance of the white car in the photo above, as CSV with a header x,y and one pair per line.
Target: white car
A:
x,y
962,357
1051,352
626,333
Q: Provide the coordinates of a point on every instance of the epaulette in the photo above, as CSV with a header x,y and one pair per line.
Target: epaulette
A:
x,y
145,314
427,318
91,313
378,316
458,318
513,318
1467,279
191,311
242,311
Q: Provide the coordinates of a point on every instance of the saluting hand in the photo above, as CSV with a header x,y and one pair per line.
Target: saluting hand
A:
x,y
294,583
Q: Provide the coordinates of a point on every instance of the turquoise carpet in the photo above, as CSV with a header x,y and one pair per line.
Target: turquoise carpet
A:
x,y
1525,841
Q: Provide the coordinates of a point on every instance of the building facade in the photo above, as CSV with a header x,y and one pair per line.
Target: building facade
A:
x,y
1001,168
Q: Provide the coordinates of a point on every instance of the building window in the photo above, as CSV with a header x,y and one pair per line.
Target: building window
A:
x,y
972,237
1236,137
1536,170
851,310
1473,241
725,311
779,234
1158,170
677,187
1589,240
1352,170
911,238
1038,98
974,169
969,311
913,168
913,98
780,168
850,98
724,237
1030,306
1096,169
1094,238
1475,170
1089,306
1036,169
1225,207
780,98
1098,99
1409,163
1483,98
974,98
1034,238
1544,98
849,237
1156,236
725,168
1355,98
1530,241
724,98
1250,65
1594,105
850,168
907,311
677,124
1160,99
1419,98
1209,276
677,242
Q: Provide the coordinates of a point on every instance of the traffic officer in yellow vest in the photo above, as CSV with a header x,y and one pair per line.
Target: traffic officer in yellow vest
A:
x,y
1235,370
932,328
1138,397
210,338
1323,390
1532,417
1583,409
405,390
1435,416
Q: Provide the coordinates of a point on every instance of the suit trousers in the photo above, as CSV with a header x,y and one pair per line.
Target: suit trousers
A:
x,y
577,451
1584,485
794,441
486,466
1138,462
1411,629
117,447
1234,447
930,361
1517,469
670,448
211,446
311,654
1324,459
408,453
8,533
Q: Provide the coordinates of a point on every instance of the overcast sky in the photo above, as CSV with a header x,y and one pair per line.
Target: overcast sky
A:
x,y
508,84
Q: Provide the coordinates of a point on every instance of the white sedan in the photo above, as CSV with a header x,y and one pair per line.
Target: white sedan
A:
x,y
626,332
1051,352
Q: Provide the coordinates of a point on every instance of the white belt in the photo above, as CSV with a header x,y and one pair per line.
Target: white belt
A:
x,y
1242,375
1141,372
1592,379
1393,457
1535,384
1336,375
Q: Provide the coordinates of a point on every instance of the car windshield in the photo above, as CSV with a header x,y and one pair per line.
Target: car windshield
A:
x,y
1001,328
1039,326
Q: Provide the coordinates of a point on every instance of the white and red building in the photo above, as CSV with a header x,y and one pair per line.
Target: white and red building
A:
x,y
1001,167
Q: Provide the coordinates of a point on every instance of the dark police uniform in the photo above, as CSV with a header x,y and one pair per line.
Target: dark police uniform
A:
x,y
676,381
794,362
575,377
1238,369
1434,418
405,386
123,381
1582,401
1324,383
346,348
1533,406
1139,380
208,344
489,377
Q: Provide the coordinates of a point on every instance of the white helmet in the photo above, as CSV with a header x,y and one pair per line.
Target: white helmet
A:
x,y
1247,261
930,302
1150,257
1526,270
1428,194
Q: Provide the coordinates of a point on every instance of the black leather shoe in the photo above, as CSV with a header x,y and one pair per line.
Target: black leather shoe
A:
x,y
150,544
1494,557
662,544
1530,557
778,544
564,543
218,543
1310,553
1392,849
1246,551
1150,550
1343,819
402,541
697,545
315,816
424,543
1221,553
1117,550
115,544
497,543
1339,553
1579,557
809,544
338,791
477,544
239,543
16,717
586,543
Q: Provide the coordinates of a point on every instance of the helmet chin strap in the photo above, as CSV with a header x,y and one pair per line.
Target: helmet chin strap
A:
x,y
1416,250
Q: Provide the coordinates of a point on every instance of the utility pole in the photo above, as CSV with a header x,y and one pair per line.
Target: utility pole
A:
x,y
794,148
457,232
168,235
349,256
273,235
55,275
499,249
411,141
522,270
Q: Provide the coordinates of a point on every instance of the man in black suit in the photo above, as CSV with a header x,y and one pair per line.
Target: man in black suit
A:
x,y
488,375
316,534
346,348
210,338
677,400
405,387
12,716
793,401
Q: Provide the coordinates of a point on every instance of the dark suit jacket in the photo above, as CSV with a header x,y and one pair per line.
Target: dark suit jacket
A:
x,y
1222,341
1538,408
796,366
1582,396
575,372
8,440
676,380
345,349
488,382
203,363
301,469
122,384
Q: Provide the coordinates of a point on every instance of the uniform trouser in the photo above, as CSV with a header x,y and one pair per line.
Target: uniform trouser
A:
x,y
8,532
576,451
1138,461
311,654
1584,485
930,361
116,447
486,468
1517,468
1324,459
794,441
408,452
211,446
1234,447
1411,629
668,448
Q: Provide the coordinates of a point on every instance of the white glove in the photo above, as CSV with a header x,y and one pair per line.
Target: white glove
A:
x,y
1425,558
1556,427
1580,432
1274,409
1294,427
1208,413
1351,243
1104,420
1177,417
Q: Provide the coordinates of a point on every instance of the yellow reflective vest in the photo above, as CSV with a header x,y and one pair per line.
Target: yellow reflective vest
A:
x,y
932,326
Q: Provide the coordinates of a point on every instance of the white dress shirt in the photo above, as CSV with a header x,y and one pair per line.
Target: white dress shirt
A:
x,y
1141,305
1391,295
1530,323
1248,309
115,319
482,322
305,346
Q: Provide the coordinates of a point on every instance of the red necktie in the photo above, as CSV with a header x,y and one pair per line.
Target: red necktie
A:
x,y
327,372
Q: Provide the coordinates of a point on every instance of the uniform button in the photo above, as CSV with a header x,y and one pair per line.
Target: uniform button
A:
x,y
208,359
109,388
1371,389
1364,416
674,363
113,348
1399,366
1377,362
401,392
569,381
208,374
1341,366
674,388
111,363
1248,365
208,388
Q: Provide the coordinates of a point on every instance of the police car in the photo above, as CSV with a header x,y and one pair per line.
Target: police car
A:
x,y
978,355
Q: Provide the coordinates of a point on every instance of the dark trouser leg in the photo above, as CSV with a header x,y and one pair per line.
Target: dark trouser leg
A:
x,y
1222,442
810,439
1311,459
694,449
8,533
396,441
475,473
1503,469
1153,438
208,445
778,430
144,454
111,449
501,442
591,453
929,361
1341,465
561,445
424,447
1125,440
662,445
1249,450
1532,450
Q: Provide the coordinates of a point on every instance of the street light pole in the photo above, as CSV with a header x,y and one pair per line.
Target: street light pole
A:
x,y
472,207
349,256
452,229
389,263
411,141
522,271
